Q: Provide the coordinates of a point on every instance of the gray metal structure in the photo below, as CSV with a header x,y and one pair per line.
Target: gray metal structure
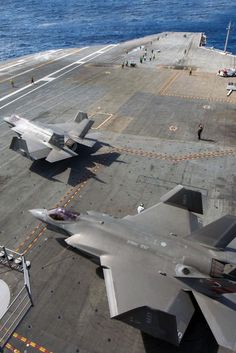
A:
x,y
18,301
54,142
158,264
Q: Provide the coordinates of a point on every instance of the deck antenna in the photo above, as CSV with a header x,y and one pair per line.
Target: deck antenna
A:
x,y
227,36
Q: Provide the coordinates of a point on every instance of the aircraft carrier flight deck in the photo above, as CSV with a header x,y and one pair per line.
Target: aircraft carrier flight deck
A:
x,y
146,113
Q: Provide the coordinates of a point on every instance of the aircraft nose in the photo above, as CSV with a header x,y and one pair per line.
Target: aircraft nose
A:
x,y
6,119
38,213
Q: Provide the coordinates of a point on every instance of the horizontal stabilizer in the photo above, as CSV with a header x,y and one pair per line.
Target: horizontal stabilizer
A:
x,y
18,144
217,234
185,198
58,155
221,319
29,148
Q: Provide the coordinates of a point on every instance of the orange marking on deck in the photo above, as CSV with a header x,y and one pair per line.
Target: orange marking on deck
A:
x,y
12,349
31,343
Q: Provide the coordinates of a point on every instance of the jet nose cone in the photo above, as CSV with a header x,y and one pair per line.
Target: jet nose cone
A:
x,y
38,213
6,119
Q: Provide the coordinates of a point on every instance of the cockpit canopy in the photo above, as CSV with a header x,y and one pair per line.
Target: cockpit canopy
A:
x,y
61,214
14,118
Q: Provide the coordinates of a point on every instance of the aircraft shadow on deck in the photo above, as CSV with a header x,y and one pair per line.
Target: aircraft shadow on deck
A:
x,y
79,166
198,338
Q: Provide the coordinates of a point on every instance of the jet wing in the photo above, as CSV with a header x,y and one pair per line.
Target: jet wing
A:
x,y
61,128
150,302
172,215
18,130
28,147
57,155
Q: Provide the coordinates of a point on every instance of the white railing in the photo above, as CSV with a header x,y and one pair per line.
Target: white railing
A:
x,y
21,302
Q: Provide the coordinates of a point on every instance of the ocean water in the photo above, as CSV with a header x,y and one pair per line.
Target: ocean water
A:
x,y
30,26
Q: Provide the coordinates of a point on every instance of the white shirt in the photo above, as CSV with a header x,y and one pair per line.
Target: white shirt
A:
x,y
140,209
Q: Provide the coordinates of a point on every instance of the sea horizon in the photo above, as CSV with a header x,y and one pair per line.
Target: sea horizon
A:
x,y
29,27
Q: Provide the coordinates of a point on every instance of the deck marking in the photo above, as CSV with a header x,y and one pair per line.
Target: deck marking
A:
x,y
31,343
211,99
19,62
173,128
169,82
44,64
12,349
175,157
47,79
95,55
104,122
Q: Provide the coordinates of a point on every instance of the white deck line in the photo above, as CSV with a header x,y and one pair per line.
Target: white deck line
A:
x,y
50,61
95,54
13,65
104,122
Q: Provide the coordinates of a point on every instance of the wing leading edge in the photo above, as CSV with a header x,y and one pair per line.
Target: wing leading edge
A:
x,y
58,155
155,304
172,214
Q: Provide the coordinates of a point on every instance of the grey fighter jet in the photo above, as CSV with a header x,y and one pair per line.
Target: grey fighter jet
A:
x,y
54,142
158,264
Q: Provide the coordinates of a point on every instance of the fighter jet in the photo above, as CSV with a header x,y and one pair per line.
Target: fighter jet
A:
x,y
159,263
54,142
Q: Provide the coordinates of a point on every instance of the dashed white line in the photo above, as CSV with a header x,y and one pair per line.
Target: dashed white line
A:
x,y
75,51
48,78
57,59
13,65
33,90
13,93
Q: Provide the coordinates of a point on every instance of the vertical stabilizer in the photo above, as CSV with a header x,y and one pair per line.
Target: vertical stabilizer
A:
x,y
80,116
